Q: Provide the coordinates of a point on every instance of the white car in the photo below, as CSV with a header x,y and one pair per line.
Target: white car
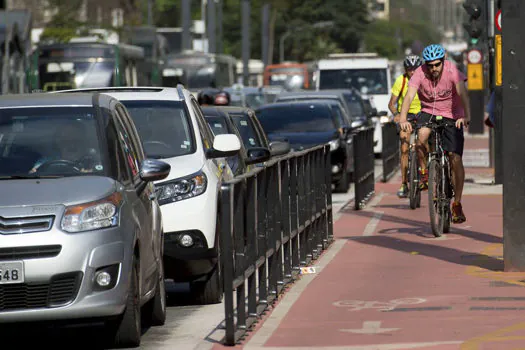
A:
x,y
172,128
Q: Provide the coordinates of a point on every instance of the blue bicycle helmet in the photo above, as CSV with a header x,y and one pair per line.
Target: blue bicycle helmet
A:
x,y
433,52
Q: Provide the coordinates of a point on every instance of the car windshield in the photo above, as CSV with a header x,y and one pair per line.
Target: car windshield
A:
x,y
354,103
49,142
297,118
370,81
218,125
247,130
62,75
163,126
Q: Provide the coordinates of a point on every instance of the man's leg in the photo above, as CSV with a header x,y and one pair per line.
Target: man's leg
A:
x,y
405,143
458,175
422,152
453,142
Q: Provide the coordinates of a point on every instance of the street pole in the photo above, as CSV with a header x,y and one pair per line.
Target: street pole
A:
x,y
281,46
513,125
498,98
212,27
220,47
245,41
186,24
265,33
150,12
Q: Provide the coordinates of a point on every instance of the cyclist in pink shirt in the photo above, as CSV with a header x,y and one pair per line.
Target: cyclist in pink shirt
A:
x,y
442,92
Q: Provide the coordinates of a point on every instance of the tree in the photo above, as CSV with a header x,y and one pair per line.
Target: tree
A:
x,y
391,38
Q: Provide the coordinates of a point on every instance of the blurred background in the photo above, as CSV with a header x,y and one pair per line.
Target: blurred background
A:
x,y
61,44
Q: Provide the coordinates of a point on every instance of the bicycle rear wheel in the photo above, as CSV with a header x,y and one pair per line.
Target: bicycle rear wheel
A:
x,y
413,179
447,217
435,195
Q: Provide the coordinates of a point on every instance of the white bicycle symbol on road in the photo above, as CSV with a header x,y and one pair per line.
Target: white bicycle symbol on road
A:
x,y
358,305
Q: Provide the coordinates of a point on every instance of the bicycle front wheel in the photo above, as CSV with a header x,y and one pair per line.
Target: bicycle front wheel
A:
x,y
413,180
435,195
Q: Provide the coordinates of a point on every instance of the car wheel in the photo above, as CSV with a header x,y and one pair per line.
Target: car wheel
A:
x,y
156,307
128,326
210,291
343,184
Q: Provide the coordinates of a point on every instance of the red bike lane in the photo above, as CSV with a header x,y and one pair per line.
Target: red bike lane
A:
x,y
393,285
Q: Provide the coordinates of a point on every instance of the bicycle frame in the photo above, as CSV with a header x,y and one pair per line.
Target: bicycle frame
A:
x,y
440,196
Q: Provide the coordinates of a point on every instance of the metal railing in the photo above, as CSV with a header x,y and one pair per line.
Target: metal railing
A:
x,y
364,180
274,220
390,153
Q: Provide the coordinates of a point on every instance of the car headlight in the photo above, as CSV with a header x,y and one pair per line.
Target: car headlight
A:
x,y
384,119
180,189
334,144
93,215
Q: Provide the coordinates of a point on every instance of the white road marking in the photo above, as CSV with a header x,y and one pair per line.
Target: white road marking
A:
x,y
370,327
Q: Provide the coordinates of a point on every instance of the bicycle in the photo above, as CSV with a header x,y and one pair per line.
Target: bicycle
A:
x,y
440,190
414,193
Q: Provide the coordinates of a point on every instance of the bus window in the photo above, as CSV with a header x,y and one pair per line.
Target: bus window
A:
x,y
289,76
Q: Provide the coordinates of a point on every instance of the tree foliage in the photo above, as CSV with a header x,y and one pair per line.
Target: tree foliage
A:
x,y
351,29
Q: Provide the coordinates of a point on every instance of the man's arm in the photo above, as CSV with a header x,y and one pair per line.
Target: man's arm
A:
x,y
463,94
407,101
392,104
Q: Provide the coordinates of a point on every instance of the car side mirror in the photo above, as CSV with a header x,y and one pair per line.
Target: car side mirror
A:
x,y
225,145
257,155
154,170
357,124
278,148
382,113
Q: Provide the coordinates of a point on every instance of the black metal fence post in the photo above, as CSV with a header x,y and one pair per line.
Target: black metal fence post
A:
x,y
273,221
364,180
390,152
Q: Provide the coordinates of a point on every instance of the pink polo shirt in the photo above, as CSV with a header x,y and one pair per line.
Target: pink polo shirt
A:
x,y
439,98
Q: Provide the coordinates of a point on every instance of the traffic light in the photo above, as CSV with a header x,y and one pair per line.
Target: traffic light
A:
x,y
477,23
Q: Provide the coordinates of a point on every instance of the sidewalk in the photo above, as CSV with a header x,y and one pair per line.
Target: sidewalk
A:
x,y
387,283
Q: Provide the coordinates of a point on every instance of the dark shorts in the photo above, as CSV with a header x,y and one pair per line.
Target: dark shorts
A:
x,y
453,138
411,117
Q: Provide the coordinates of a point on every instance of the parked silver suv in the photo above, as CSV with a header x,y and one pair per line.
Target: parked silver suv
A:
x,y
80,227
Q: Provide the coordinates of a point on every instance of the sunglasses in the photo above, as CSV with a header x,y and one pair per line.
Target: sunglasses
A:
x,y
435,65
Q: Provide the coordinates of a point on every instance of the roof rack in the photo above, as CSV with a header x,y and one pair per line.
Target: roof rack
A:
x,y
180,88
354,55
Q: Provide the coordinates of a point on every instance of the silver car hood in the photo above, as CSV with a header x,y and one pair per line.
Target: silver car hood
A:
x,y
60,191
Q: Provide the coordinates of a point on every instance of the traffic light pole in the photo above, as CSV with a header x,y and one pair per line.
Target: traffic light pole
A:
x,y
513,127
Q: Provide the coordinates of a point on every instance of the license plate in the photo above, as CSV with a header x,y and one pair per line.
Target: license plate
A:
x,y
11,272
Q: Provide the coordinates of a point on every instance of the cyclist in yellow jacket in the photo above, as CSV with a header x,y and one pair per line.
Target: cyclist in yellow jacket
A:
x,y
399,90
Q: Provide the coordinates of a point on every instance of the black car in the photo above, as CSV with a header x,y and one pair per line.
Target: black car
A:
x,y
350,99
306,124
252,133
220,123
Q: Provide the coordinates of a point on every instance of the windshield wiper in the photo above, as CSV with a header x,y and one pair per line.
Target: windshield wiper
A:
x,y
18,177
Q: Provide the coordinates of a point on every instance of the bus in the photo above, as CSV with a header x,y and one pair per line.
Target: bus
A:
x,y
203,70
290,76
75,65
155,50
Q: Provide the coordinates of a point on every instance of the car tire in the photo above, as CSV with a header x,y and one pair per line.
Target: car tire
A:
x,y
156,308
211,290
343,185
128,326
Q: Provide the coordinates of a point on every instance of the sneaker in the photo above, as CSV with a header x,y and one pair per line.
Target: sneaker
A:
x,y
458,217
403,191
423,180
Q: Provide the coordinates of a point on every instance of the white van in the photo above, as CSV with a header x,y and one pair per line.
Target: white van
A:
x,y
366,72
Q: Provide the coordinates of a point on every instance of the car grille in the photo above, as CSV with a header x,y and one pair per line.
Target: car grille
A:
x,y
61,290
9,226
24,253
